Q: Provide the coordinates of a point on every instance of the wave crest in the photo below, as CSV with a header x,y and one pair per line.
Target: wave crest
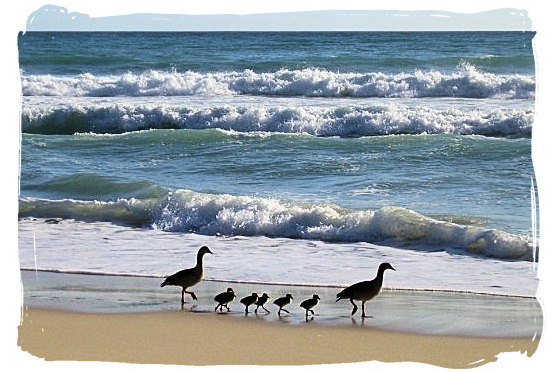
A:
x,y
381,119
466,82
222,214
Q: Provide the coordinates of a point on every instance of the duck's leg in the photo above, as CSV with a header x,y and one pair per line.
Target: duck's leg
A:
x,y
354,306
256,311
193,296
216,309
182,297
286,311
266,309
363,315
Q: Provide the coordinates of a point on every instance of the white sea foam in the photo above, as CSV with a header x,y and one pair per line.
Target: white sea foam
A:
x,y
228,215
105,248
466,81
356,120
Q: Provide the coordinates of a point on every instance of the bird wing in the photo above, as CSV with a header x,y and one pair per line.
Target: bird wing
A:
x,y
347,292
184,278
224,297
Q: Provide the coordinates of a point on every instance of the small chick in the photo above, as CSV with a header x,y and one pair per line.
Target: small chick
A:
x,y
310,303
282,302
249,300
261,302
224,298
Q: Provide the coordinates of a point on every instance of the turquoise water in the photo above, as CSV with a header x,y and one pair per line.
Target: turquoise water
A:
x,y
417,141
471,178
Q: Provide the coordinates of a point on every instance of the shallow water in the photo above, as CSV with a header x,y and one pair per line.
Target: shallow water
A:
x,y
419,312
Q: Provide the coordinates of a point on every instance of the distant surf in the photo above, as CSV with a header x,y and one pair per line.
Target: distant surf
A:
x,y
466,82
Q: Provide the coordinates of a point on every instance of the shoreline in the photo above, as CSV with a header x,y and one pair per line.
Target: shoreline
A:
x,y
280,284
249,259
418,312
161,337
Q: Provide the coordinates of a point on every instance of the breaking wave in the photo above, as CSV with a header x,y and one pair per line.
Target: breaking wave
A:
x,y
367,120
223,214
466,82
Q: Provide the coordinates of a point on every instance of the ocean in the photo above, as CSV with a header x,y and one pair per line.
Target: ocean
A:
x,y
298,157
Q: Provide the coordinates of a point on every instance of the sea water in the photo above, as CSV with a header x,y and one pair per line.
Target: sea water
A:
x,y
426,312
298,157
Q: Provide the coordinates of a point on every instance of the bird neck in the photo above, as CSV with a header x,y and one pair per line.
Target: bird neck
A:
x,y
380,273
199,260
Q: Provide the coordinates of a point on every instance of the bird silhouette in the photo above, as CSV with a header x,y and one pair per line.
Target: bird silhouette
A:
x,y
224,298
309,304
282,302
188,277
249,300
364,291
261,302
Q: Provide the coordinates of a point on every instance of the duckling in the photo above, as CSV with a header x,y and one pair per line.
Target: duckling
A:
x,y
188,277
309,303
282,302
261,302
365,291
249,300
224,298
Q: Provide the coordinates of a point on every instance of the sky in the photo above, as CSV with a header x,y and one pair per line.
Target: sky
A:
x,y
57,18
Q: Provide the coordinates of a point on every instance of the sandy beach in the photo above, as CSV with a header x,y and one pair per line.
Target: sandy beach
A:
x,y
210,339
130,319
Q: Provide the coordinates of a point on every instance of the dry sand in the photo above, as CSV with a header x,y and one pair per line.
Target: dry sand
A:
x,y
208,339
